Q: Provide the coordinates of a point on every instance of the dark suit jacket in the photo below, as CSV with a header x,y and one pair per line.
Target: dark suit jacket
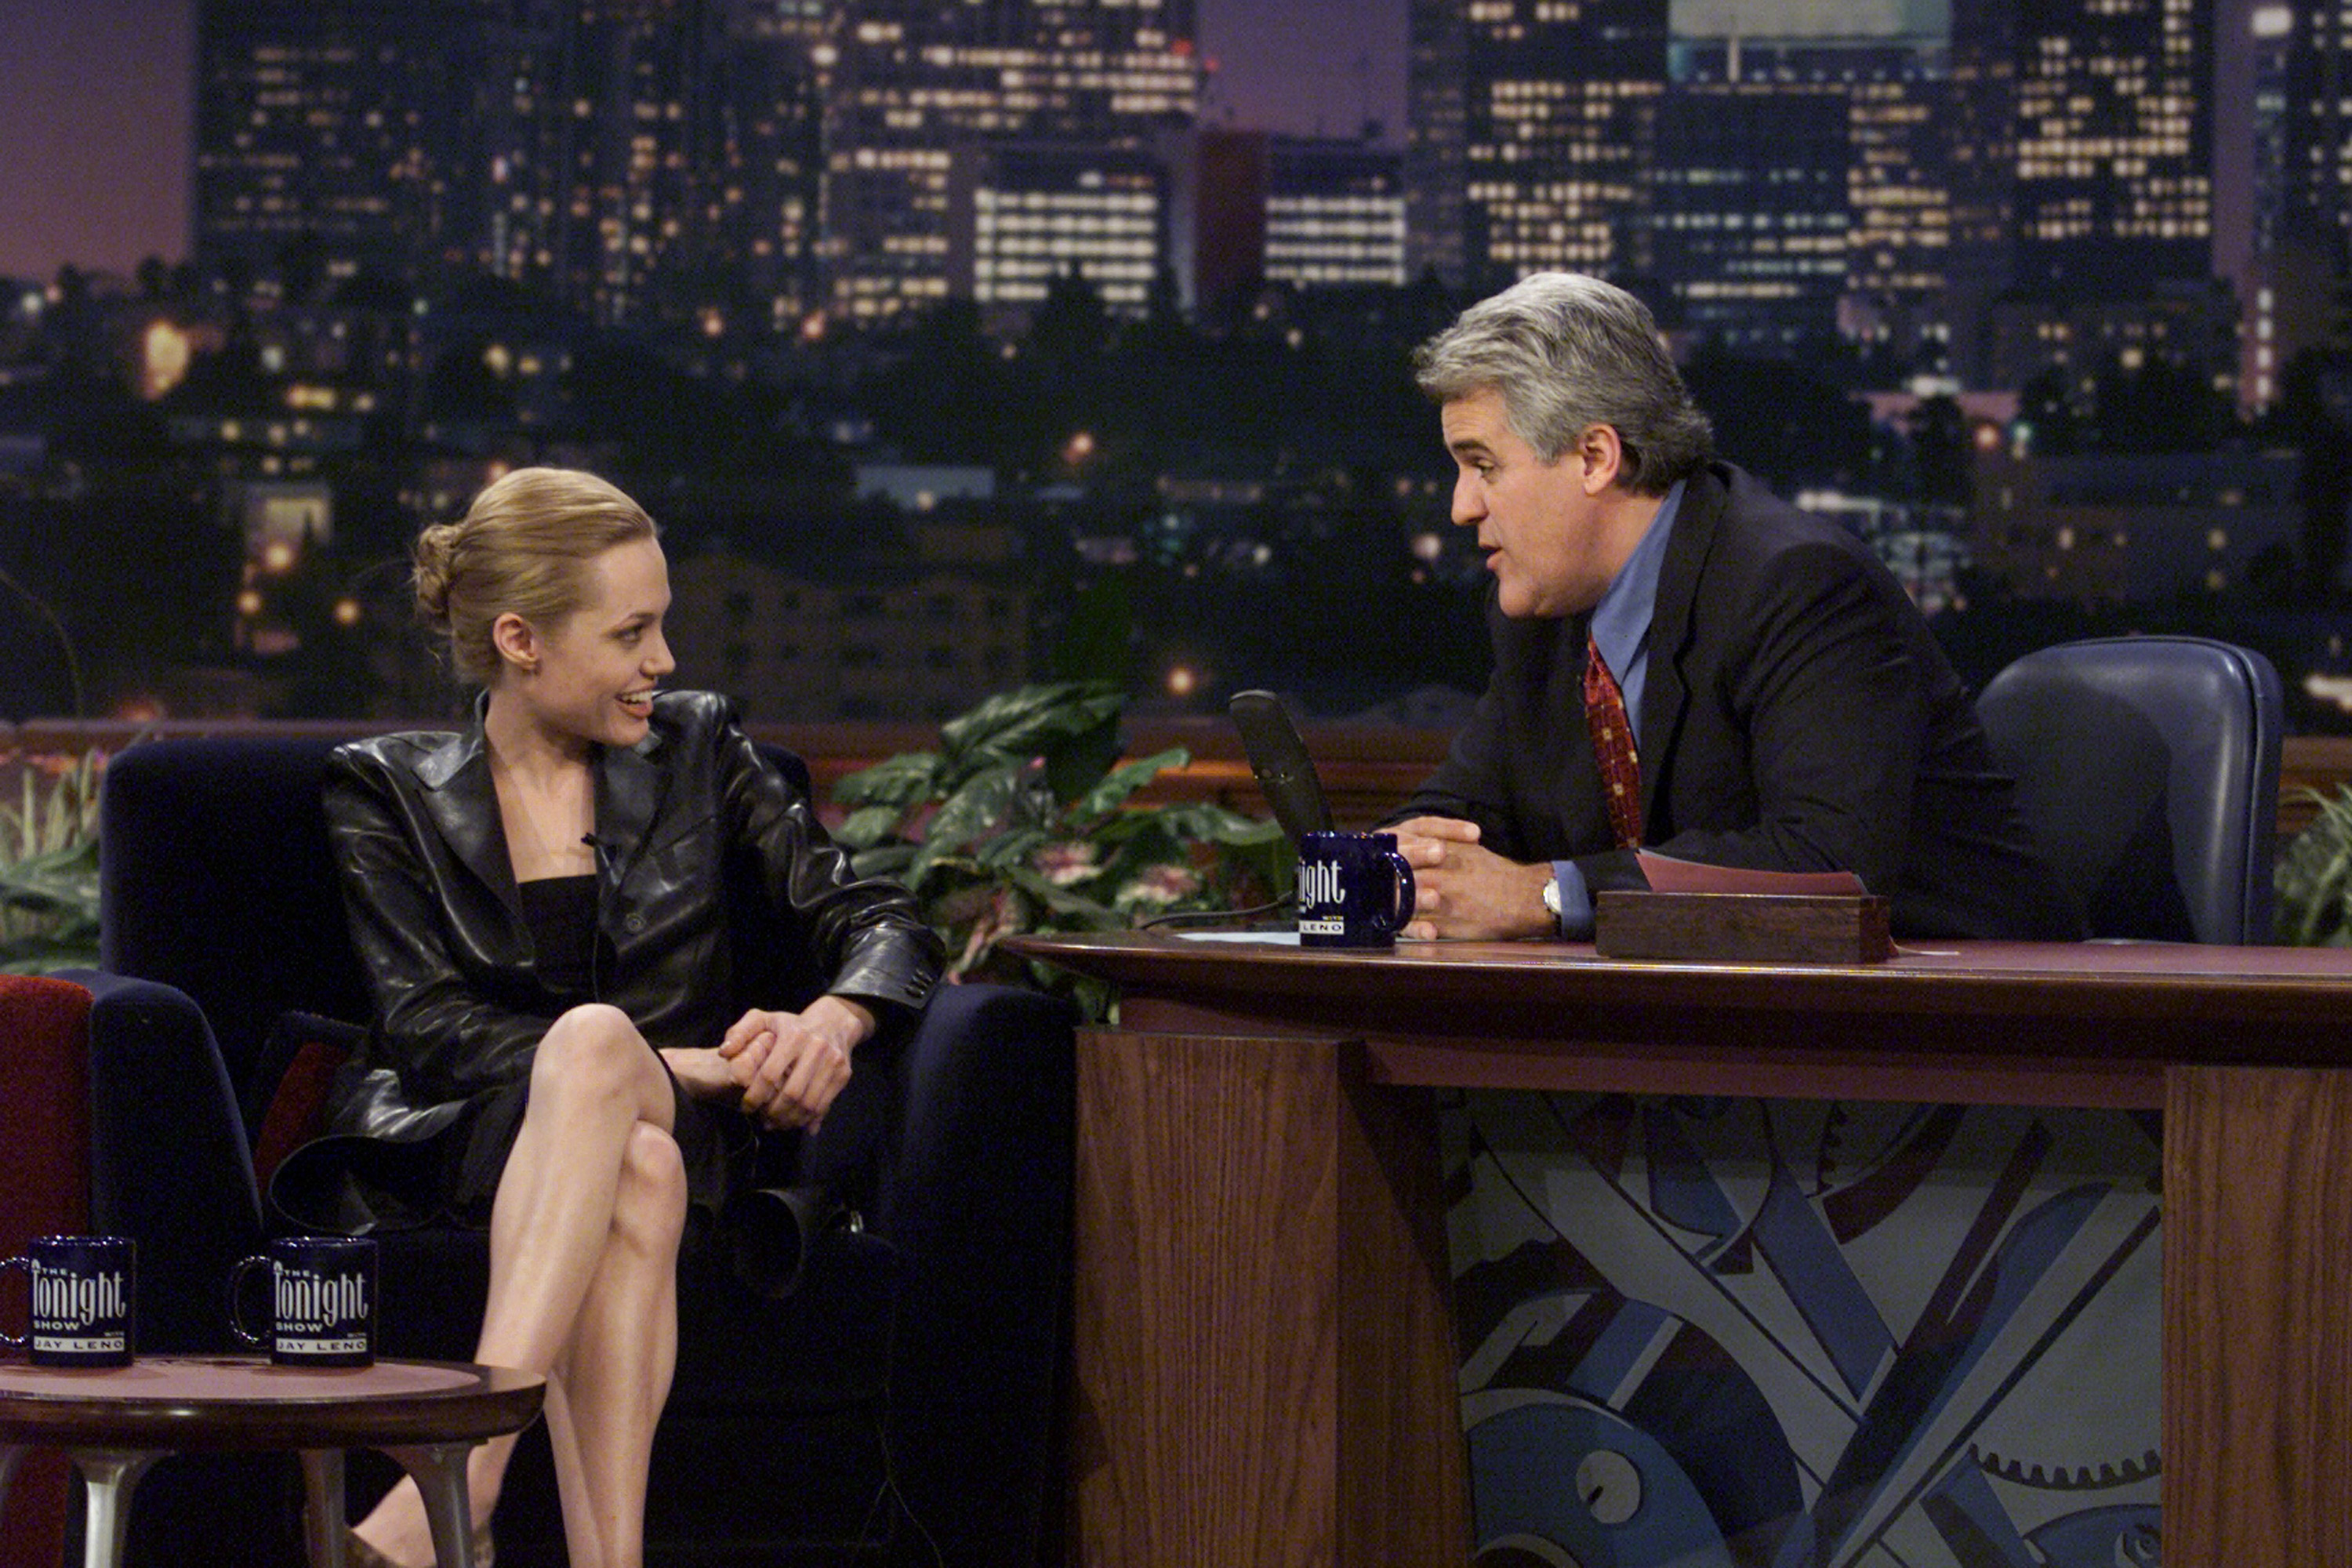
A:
x,y
1798,716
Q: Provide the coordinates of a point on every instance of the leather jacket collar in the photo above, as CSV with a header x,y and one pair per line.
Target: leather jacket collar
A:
x,y
463,802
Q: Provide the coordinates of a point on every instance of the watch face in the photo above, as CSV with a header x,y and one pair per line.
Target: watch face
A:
x,y
1551,897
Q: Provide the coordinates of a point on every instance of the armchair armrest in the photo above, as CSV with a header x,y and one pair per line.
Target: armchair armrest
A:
x,y
978,1203
168,1166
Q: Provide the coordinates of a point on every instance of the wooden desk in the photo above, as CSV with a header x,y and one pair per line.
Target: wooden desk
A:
x,y
1249,1141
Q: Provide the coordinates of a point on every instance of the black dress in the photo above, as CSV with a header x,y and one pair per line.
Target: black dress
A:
x,y
452,1177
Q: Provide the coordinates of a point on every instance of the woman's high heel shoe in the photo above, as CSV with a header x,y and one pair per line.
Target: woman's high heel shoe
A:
x,y
358,1553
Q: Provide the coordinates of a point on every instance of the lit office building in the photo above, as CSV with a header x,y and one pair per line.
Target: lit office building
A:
x,y
2113,152
1026,216
1979,131
629,116
650,159
1305,212
914,85
2088,336
1749,205
640,159
1334,214
1901,232
778,109
2116,528
330,122
1750,211
2300,188
1804,183
1435,137
1541,113
2318,141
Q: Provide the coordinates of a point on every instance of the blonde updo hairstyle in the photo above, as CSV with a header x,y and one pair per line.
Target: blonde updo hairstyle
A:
x,y
524,546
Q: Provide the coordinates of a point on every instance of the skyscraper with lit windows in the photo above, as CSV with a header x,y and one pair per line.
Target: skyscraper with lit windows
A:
x,y
1542,114
1026,214
2114,152
642,160
1334,214
2300,238
652,159
2316,141
1749,213
917,89
1756,161
1805,184
333,122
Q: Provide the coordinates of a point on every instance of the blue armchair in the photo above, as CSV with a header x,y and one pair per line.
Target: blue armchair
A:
x,y
900,1406
2148,768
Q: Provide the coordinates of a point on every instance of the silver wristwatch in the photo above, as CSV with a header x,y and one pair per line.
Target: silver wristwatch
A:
x,y
1552,902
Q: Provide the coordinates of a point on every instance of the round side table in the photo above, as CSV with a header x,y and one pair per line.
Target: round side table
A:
x,y
115,1423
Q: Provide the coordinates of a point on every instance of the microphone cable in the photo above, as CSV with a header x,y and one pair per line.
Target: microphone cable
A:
x,y
1210,916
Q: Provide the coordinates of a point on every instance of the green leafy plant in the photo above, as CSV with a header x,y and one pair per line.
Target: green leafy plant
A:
x,y
1026,820
48,865
2314,877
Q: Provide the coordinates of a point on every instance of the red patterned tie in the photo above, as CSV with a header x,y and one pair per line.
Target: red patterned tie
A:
x,y
1612,747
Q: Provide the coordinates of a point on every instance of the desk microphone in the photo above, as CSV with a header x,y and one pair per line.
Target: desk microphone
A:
x,y
1280,760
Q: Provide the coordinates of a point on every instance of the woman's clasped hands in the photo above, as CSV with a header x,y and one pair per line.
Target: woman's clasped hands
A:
x,y
786,1068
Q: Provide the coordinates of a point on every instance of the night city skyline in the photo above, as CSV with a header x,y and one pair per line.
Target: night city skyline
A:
x,y
985,328
96,97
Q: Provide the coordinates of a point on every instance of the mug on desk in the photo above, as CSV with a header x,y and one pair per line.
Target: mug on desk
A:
x,y
321,1300
80,1293
1354,889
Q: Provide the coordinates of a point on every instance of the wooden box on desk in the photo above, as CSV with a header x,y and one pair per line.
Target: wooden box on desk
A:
x,y
1762,927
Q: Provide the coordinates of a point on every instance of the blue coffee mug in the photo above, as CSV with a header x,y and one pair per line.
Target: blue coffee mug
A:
x,y
81,1292
321,1300
1354,889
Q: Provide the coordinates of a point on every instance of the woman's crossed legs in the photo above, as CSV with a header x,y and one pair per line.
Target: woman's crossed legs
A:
x,y
583,1287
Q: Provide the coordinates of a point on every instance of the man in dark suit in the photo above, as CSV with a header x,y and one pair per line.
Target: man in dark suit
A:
x,y
1749,675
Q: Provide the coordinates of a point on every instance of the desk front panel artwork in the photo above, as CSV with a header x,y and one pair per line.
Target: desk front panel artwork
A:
x,y
1716,1330
1804,1252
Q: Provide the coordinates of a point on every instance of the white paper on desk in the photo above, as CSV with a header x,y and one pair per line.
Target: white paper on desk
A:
x,y
1668,874
1263,937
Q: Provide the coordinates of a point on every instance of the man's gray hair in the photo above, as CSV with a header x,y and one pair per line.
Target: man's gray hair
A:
x,y
1567,352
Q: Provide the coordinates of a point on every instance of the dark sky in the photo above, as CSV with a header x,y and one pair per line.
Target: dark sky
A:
x,y
93,133
94,109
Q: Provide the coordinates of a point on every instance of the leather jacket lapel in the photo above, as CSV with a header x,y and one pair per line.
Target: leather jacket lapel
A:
x,y
629,788
464,806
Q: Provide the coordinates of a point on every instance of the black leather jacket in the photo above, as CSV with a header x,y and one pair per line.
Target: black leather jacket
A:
x,y
719,890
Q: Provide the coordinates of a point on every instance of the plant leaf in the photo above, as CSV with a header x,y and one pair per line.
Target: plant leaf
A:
x,y
1091,913
1026,719
884,860
900,781
1121,783
868,827
980,804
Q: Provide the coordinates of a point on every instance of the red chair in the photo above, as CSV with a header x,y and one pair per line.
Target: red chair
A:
x,y
44,1127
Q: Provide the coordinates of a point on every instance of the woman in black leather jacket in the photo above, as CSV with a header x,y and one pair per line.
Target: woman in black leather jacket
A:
x,y
552,906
